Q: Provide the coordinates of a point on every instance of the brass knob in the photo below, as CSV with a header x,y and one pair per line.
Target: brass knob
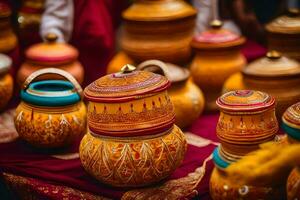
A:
x,y
293,12
51,37
128,68
273,54
216,24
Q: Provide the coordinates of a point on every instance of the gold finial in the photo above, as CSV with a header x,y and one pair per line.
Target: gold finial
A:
x,y
216,24
128,68
293,12
273,54
51,37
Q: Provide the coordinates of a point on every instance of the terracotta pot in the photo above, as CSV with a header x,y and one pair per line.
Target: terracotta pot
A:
x,y
51,54
234,82
217,57
119,60
284,34
291,126
6,81
8,39
277,75
158,30
185,95
131,118
51,113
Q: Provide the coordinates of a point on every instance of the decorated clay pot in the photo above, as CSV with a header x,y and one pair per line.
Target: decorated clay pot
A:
x,y
291,126
131,135
158,30
284,34
217,57
29,19
277,75
6,81
51,113
8,39
184,93
51,54
247,119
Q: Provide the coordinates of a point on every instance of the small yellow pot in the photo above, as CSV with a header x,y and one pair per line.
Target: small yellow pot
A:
x,y
51,113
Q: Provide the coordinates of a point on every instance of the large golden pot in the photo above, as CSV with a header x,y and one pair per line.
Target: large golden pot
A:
x,y
217,57
8,39
284,34
6,81
291,126
184,93
158,30
247,119
132,137
51,113
51,54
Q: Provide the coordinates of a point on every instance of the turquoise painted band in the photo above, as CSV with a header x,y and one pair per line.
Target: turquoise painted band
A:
x,y
218,160
64,88
292,132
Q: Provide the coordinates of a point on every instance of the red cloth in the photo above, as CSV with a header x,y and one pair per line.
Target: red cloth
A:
x,y
252,50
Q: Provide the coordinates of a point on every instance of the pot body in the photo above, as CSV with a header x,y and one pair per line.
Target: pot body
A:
x,y
188,101
234,82
221,188
210,70
286,91
116,63
8,40
168,41
293,187
286,43
27,68
132,161
50,127
6,90
241,133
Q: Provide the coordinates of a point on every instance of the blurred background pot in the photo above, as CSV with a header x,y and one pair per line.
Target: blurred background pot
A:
x,y
6,81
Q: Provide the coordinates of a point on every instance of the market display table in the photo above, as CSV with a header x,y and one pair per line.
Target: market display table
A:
x,y
39,174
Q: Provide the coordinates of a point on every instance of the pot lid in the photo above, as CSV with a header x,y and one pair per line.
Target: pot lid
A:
x,y
273,65
5,11
291,120
244,101
126,85
5,63
51,52
289,23
216,37
173,72
158,10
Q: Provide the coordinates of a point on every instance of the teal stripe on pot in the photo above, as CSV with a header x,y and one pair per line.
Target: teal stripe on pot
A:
x,y
218,160
290,131
50,93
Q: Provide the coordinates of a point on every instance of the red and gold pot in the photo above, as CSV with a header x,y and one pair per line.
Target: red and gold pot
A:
x,y
132,140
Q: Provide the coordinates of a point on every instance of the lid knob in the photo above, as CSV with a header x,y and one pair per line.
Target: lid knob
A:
x,y
293,12
273,55
128,68
51,37
216,24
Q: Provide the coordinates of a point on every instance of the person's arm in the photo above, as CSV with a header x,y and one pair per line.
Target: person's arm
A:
x,y
58,18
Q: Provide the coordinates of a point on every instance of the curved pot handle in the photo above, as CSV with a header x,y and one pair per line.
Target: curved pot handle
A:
x,y
60,72
154,63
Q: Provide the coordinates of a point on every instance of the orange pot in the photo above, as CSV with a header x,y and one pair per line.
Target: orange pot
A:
x,y
6,81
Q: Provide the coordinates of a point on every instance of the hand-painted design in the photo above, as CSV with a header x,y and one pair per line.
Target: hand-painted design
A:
x,y
132,161
293,185
182,188
45,128
76,120
8,132
30,188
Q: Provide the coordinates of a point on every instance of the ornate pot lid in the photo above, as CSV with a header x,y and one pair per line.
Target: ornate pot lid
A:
x,y
273,65
51,52
5,11
216,37
5,63
158,10
291,121
245,101
173,72
129,84
289,24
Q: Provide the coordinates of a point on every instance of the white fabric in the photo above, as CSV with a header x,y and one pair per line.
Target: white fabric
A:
x,y
58,18
207,12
